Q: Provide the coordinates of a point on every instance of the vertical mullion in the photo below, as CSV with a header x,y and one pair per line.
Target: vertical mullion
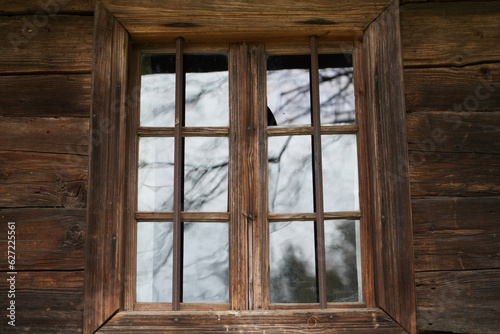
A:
x,y
318,173
178,175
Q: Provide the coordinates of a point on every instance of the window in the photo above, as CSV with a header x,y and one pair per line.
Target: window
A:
x,y
200,169
369,29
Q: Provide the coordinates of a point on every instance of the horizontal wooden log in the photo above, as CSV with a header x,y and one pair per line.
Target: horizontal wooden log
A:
x,y
45,95
436,173
46,302
51,135
317,321
456,233
46,239
40,44
244,20
469,88
10,7
29,179
458,301
458,132
450,34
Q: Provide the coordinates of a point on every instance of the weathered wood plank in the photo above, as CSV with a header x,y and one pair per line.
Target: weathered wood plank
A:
x,y
50,135
50,7
46,239
469,88
35,44
45,95
436,173
453,132
46,302
243,20
456,233
459,301
317,321
31,179
387,160
437,34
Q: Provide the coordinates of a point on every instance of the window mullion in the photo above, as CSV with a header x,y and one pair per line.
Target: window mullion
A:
x,y
318,176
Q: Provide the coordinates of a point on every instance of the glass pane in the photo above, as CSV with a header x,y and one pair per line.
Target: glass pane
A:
x,y
343,263
156,174
340,173
288,89
290,174
206,263
206,174
336,90
207,93
158,91
292,262
154,262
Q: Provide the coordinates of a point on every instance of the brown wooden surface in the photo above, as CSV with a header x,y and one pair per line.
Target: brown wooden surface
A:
x,y
459,301
49,135
62,43
389,184
469,88
46,302
243,20
351,321
450,34
453,132
45,95
10,7
46,239
30,179
103,280
456,233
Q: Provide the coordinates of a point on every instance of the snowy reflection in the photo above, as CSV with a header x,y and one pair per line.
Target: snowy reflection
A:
x,y
290,174
206,174
340,173
206,263
336,91
156,174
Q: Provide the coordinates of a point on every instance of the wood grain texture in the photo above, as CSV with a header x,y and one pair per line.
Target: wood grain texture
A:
x,y
456,233
453,132
41,44
30,179
459,301
104,258
243,20
469,88
352,321
46,302
46,239
51,7
48,135
45,95
437,34
436,173
387,158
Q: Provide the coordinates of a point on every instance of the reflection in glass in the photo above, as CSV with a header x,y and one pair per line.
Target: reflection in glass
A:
x,y
340,173
206,174
157,103
156,174
206,263
336,90
342,261
290,174
292,262
154,262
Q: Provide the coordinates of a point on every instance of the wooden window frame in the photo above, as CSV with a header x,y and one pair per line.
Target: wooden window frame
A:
x,y
388,277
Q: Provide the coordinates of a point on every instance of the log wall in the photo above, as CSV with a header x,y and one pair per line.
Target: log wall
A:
x,y
451,54
452,76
